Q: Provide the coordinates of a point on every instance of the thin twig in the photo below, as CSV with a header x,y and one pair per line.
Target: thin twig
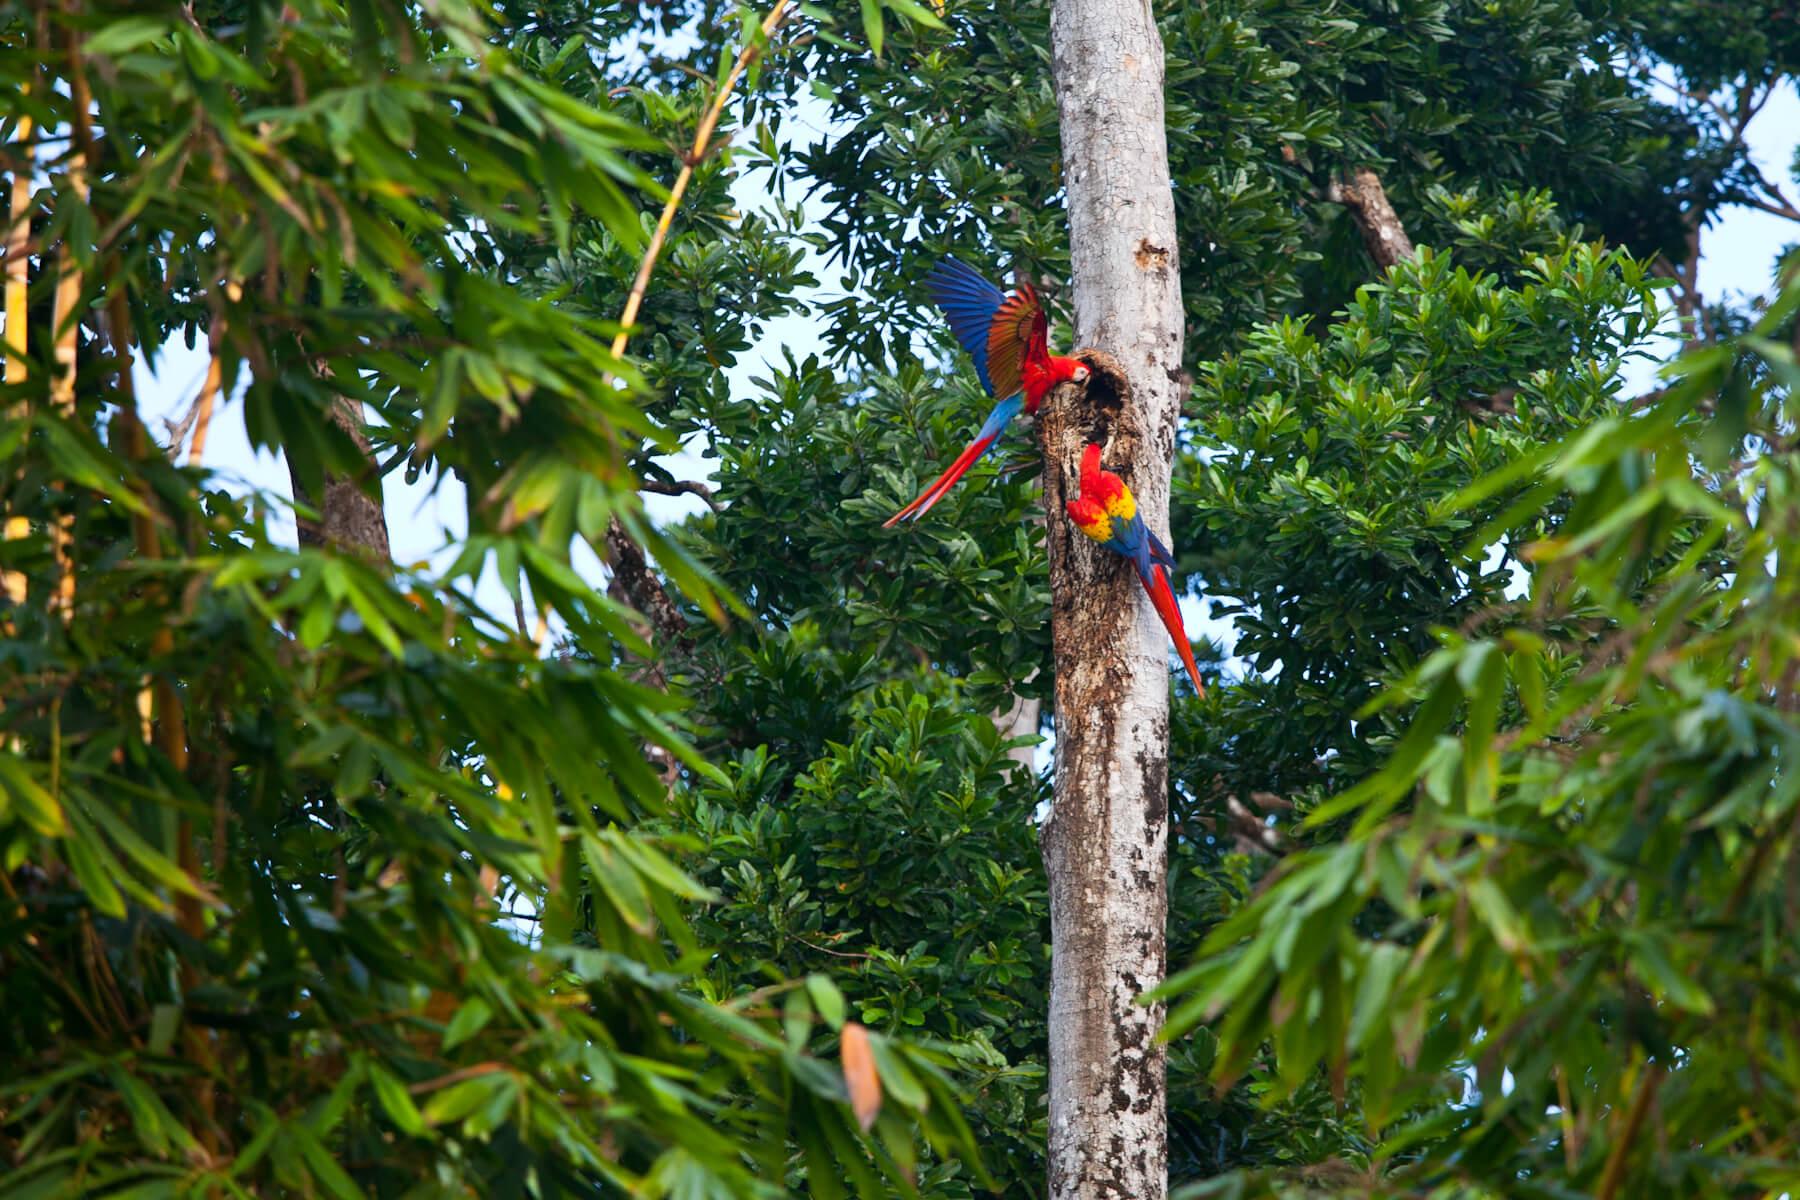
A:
x,y
830,951
1780,208
457,1076
1634,1120
1571,1140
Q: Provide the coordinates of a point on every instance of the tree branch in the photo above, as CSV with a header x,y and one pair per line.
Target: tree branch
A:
x,y
1614,1172
680,487
640,588
348,516
1247,829
1367,201
1778,203
635,584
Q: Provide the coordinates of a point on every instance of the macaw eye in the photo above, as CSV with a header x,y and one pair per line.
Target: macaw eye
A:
x,y
1079,375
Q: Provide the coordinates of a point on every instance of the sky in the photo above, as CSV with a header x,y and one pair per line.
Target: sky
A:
x,y
426,519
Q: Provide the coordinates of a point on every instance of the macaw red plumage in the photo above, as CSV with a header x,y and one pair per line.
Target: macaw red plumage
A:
x,y
1007,336
1106,511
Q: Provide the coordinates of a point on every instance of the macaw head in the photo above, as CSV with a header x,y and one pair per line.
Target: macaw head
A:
x,y
1104,488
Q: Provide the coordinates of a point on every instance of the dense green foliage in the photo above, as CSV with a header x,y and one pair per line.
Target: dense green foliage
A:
x,y
1572,878
264,952
1332,425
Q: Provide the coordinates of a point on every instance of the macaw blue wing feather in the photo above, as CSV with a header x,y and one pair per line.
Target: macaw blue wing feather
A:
x,y
970,302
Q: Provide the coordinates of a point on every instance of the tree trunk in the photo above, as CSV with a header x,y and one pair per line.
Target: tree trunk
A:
x,y
1105,844
347,516
635,585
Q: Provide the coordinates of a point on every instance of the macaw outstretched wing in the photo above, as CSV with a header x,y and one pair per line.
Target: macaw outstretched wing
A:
x,y
970,302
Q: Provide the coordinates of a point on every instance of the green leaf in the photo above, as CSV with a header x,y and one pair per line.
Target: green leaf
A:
x,y
38,807
915,12
1651,963
121,35
826,999
469,1020
460,1099
871,16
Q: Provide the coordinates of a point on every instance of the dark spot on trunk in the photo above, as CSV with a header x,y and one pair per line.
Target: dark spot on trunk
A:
x,y
1150,257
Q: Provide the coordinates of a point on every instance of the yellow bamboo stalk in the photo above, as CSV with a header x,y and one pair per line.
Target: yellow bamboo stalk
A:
x,y
18,241
209,392
702,138
209,389
65,327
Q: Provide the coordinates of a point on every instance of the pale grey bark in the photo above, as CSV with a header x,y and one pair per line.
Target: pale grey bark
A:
x,y
1106,841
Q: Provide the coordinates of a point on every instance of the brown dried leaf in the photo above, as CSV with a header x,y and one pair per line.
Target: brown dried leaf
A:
x,y
860,1076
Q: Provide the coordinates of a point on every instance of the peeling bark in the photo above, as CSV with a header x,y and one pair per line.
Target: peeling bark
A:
x,y
348,517
1105,844
1383,235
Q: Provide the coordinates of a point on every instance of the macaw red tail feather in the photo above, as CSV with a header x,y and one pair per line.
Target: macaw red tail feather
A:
x,y
991,429
943,483
1163,600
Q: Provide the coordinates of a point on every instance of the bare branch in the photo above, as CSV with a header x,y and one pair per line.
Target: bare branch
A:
x,y
1780,209
1494,404
348,516
1367,201
680,487
1249,830
1614,1172
1778,202
635,584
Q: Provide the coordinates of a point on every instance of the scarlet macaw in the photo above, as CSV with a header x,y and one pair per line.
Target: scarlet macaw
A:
x,y
1107,512
1007,338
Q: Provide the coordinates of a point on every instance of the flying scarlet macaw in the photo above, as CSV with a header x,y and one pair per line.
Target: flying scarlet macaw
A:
x,y
1107,512
1007,338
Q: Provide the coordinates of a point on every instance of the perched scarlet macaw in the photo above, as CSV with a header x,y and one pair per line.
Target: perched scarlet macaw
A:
x,y
1107,512
1007,338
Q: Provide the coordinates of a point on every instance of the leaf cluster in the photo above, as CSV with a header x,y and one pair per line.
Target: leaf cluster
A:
x,y
1573,865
